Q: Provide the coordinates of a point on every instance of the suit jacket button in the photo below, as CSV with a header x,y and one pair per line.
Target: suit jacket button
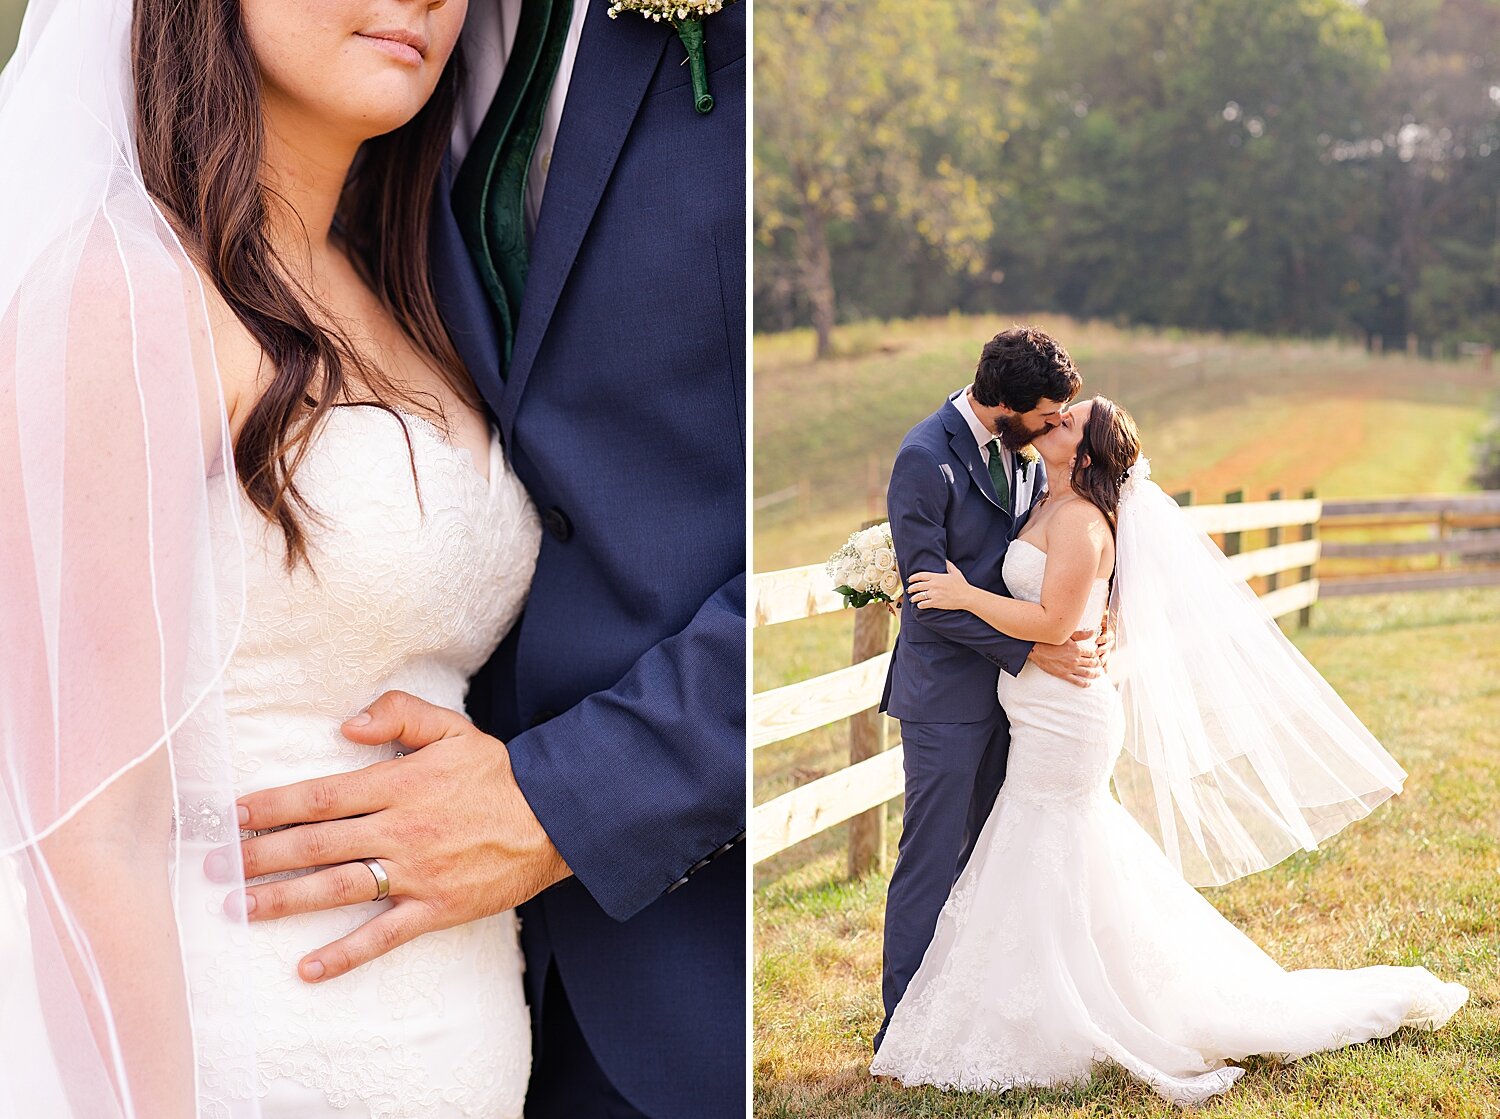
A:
x,y
557,523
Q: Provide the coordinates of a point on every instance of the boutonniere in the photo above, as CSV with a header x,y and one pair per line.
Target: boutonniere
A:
x,y
687,16
1025,457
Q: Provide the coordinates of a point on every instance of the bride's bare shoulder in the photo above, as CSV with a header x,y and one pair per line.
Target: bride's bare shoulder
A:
x,y
1081,517
242,364
1082,525
240,361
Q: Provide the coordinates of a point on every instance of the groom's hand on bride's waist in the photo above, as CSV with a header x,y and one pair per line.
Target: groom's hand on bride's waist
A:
x,y
447,822
1078,660
1105,642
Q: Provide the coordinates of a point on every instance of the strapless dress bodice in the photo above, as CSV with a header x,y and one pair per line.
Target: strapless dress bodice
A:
x,y
1044,710
1025,567
414,578
420,560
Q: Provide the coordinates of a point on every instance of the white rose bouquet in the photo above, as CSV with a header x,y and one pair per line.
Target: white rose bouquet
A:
x,y
864,570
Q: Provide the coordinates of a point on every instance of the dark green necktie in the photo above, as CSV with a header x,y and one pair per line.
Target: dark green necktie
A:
x,y
997,475
489,194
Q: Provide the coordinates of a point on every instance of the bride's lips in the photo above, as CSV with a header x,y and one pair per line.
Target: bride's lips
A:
x,y
403,46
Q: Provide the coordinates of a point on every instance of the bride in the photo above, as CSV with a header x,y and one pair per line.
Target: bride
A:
x,y
247,487
1073,935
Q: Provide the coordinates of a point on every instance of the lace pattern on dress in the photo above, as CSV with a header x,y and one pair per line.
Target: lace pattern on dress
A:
x,y
405,596
1069,939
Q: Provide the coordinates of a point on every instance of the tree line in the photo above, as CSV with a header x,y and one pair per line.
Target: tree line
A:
x,y
1284,166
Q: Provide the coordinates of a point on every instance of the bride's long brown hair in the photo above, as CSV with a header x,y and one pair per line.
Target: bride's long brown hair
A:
x,y
1107,449
200,135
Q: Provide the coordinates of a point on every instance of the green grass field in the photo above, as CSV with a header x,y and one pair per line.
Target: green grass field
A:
x,y
1419,881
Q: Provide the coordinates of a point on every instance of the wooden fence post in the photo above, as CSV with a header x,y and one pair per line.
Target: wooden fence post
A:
x,y
872,636
1232,539
1445,533
1273,538
1309,530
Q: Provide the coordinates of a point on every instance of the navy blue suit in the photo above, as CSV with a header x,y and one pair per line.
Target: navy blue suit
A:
x,y
620,693
942,680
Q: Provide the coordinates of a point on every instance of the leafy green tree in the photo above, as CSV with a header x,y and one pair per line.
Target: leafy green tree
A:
x,y
1290,166
1193,146
1431,241
882,109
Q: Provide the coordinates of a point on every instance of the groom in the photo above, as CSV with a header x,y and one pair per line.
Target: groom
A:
x,y
960,490
587,250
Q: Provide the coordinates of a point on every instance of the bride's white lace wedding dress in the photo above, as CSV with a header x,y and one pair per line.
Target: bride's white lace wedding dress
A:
x,y
405,592
1070,939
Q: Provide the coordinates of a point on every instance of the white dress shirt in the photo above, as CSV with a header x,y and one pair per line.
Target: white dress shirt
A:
x,y
982,435
488,35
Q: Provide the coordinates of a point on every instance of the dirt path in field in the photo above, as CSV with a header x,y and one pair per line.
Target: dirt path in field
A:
x,y
1323,434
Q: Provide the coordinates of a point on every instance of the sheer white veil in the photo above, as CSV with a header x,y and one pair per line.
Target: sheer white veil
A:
x,y
120,597
1237,752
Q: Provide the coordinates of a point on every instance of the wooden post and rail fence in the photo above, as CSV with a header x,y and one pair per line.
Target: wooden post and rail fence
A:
x,y
1303,559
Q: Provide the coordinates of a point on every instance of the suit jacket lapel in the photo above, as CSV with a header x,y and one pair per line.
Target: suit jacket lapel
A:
x,y
460,293
615,62
961,439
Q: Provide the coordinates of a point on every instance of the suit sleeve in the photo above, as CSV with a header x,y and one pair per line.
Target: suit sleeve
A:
x,y
918,503
643,784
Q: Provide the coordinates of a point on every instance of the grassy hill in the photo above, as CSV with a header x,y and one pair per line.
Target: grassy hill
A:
x,y
1414,883
1215,413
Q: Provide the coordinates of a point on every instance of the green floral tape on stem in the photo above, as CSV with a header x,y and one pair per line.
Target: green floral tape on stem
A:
x,y
690,31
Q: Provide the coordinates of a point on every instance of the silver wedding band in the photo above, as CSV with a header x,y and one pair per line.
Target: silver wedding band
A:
x,y
382,879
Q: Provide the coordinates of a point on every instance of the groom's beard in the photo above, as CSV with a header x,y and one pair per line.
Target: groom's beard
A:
x,y
1013,432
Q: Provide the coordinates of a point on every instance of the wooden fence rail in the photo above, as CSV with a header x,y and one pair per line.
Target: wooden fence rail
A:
x,y
1453,527
1292,582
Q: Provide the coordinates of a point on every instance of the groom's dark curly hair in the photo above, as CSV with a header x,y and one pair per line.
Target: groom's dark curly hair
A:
x,y
1021,366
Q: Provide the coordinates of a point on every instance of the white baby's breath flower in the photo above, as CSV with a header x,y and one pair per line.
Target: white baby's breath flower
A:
x,y
666,9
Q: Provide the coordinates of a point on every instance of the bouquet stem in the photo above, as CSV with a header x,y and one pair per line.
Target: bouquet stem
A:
x,y
690,31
